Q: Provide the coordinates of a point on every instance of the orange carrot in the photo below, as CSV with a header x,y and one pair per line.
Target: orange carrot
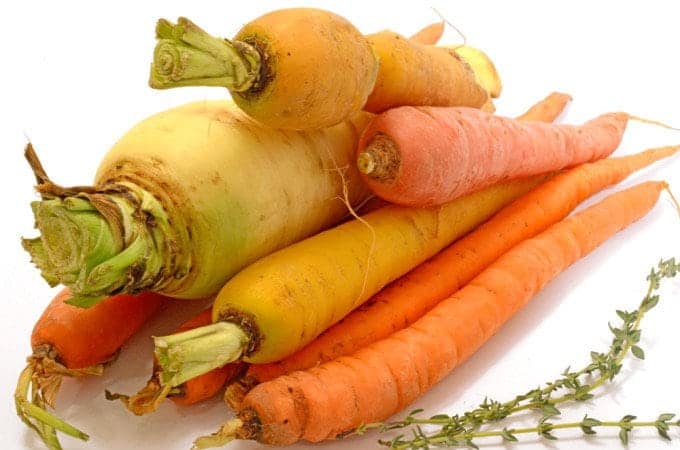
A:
x,y
429,35
548,109
383,378
407,299
428,156
191,391
306,68
414,74
545,110
75,342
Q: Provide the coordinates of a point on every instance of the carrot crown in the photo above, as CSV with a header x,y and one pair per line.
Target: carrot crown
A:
x,y
185,55
100,242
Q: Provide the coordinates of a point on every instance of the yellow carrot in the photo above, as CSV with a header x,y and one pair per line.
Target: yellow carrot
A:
x,y
283,301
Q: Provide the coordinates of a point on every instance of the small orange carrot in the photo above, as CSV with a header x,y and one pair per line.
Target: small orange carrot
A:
x,y
191,391
428,156
429,35
385,377
404,301
75,342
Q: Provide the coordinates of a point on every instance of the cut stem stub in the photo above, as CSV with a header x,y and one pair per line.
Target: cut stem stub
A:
x,y
380,159
186,355
185,55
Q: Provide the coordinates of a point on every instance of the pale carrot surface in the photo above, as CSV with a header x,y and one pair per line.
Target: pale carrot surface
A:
x,y
427,156
383,378
408,298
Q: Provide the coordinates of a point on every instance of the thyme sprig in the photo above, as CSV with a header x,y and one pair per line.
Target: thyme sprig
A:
x,y
573,386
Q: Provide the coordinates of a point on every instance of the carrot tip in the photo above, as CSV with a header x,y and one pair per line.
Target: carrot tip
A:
x,y
227,433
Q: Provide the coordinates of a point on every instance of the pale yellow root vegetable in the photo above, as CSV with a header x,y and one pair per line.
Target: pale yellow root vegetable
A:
x,y
190,196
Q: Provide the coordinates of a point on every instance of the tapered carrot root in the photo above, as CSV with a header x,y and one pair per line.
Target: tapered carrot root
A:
x,y
383,378
427,156
412,74
547,110
429,35
195,390
74,342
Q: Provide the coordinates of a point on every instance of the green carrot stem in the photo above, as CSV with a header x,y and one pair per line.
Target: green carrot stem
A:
x,y
47,422
185,55
183,356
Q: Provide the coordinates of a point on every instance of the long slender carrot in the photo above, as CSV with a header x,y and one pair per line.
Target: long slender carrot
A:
x,y
383,378
316,282
74,342
408,298
191,391
427,156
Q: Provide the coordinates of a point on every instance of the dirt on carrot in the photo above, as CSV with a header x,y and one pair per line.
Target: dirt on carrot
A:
x,y
427,156
404,301
385,377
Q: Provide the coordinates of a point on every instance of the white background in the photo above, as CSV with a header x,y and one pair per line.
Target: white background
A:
x,y
73,79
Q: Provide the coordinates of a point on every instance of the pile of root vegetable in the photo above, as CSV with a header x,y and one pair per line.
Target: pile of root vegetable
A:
x,y
361,216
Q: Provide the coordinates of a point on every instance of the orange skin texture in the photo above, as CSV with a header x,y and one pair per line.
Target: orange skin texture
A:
x,y
383,378
548,109
429,35
445,153
322,69
415,74
207,385
86,337
395,308
404,301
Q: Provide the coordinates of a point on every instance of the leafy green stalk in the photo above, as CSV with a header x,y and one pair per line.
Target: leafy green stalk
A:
x,y
460,430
